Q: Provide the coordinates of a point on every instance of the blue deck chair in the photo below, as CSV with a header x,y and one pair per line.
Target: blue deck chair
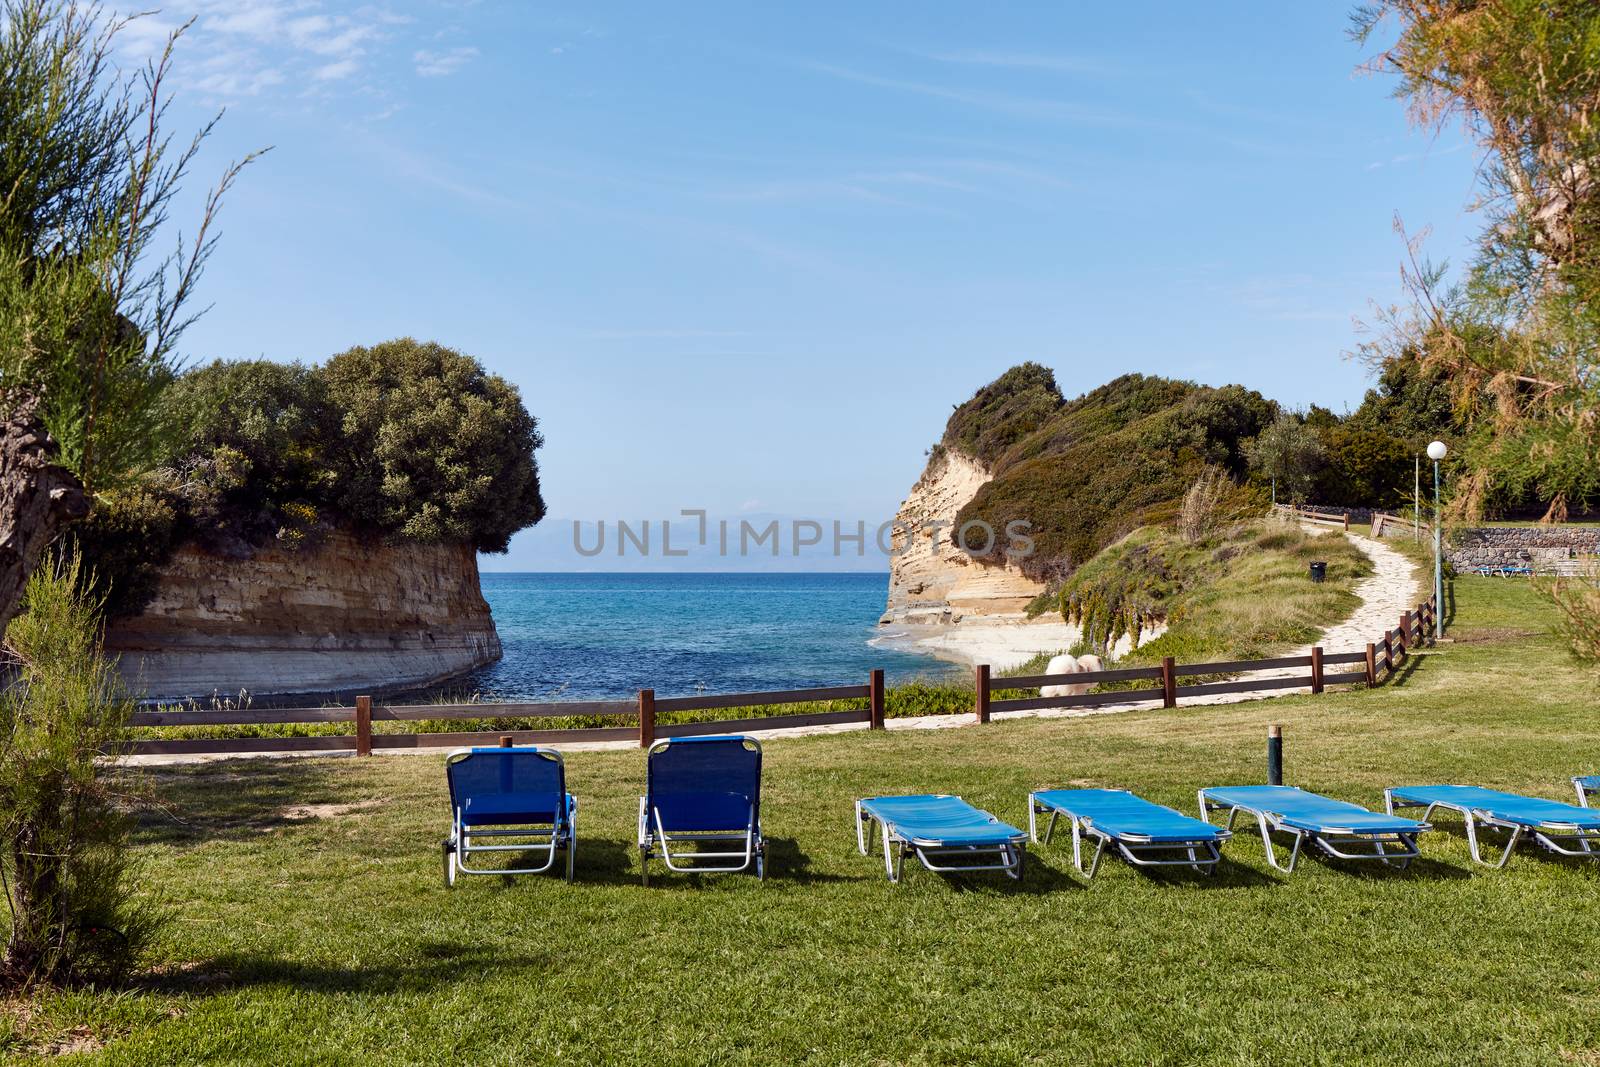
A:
x,y
1145,834
702,791
1565,829
1338,828
1587,785
936,827
504,793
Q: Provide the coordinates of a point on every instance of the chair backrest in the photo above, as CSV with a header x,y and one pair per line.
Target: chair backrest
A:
x,y
533,772
704,783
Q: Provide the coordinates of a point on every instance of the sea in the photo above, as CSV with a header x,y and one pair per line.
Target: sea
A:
x,y
600,636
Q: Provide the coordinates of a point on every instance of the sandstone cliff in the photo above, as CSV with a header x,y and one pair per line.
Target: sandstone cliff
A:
x,y
932,580
344,616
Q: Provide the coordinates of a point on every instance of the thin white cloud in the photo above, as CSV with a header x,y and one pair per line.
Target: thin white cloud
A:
x,y
1413,157
339,68
1011,103
241,48
1019,61
432,64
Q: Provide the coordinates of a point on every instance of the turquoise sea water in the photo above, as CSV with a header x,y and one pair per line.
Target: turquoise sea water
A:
x,y
576,636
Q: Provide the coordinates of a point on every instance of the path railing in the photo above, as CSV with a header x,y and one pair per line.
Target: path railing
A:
x,y
1313,515
1379,660
1381,521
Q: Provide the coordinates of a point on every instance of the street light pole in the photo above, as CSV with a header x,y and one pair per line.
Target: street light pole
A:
x,y
1436,452
1416,505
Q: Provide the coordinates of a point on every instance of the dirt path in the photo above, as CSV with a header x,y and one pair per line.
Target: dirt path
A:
x,y
1393,589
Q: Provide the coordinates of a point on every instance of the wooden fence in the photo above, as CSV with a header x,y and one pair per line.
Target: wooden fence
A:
x,y
1381,521
1314,515
1166,688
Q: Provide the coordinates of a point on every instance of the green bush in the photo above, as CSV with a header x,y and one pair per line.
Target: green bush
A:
x,y
64,854
1119,457
1003,412
124,541
432,447
251,438
405,440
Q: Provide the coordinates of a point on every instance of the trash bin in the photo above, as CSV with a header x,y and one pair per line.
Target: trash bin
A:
x,y
1319,571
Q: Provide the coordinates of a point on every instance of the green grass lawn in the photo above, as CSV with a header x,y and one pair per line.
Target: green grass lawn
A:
x,y
331,939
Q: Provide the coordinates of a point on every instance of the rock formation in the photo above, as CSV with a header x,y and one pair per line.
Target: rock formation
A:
x,y
933,580
347,615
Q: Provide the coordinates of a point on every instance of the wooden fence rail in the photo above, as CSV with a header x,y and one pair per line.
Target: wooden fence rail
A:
x,y
1313,515
1378,661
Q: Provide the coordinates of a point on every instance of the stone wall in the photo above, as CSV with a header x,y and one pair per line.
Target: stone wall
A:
x,y
348,615
1536,547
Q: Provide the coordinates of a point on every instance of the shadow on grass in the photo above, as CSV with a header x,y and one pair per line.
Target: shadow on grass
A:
x,y
1401,675
1231,874
1492,845
442,963
1419,869
611,862
232,799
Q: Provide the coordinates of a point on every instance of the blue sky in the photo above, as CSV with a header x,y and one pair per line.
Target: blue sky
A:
x,y
746,258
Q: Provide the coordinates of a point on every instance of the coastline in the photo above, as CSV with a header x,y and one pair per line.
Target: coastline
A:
x,y
1001,644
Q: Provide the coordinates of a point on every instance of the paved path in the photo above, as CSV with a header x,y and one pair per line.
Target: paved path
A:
x,y
1391,590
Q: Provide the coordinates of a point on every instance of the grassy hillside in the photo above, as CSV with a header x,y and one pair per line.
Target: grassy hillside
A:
x,y
1244,594
1091,470
312,926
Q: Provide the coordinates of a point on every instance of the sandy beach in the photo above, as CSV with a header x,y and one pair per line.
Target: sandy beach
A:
x,y
1001,644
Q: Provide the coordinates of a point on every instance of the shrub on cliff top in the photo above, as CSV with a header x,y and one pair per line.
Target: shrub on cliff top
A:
x,y
432,447
405,440
1003,412
1119,457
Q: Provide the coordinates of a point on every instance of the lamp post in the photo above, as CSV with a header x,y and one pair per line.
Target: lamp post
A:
x,y
1416,505
1436,452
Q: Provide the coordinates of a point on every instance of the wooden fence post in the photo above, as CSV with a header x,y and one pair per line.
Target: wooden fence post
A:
x,y
980,692
1405,630
1169,682
875,700
647,717
363,726
1347,522
1274,754
1372,663
1388,651
1316,668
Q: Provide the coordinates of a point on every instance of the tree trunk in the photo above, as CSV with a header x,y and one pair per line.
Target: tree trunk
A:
x,y
38,498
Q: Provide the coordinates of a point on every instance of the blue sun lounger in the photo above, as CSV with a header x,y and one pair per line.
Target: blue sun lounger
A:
x,y
702,792
1587,785
1338,828
936,827
503,793
1565,829
1145,834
